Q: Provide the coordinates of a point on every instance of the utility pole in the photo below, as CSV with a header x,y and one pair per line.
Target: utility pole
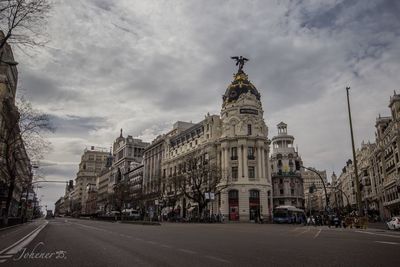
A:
x,y
358,193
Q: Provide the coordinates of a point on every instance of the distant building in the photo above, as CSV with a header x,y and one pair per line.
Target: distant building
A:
x,y
126,151
90,203
151,182
92,162
287,180
311,178
104,187
68,197
135,178
59,207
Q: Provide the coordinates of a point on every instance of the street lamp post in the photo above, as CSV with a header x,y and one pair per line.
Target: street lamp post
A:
x,y
358,193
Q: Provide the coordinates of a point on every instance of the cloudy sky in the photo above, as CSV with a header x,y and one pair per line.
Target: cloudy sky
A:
x,y
142,65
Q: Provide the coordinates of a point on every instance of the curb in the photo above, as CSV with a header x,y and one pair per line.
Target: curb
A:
x,y
141,223
13,226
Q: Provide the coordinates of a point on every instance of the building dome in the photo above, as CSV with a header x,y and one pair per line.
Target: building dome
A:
x,y
240,85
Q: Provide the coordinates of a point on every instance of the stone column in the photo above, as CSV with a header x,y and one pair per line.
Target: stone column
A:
x,y
245,161
259,161
223,161
240,161
263,175
227,160
242,157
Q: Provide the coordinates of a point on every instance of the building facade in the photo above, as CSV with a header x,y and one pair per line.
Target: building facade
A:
x,y
135,178
92,162
15,165
151,182
310,178
236,143
287,180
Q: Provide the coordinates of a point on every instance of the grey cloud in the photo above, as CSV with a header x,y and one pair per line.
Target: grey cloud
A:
x,y
72,125
142,65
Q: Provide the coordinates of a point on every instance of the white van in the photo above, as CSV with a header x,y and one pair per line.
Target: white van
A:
x,y
135,214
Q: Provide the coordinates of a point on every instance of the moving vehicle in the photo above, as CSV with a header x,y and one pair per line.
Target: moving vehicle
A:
x,y
394,223
288,214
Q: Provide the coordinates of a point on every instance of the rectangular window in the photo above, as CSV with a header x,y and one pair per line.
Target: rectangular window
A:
x,y
234,153
281,192
252,174
248,129
234,173
250,153
292,192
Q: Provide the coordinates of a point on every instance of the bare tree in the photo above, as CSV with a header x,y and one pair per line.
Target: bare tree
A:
x,y
21,21
198,176
122,195
21,140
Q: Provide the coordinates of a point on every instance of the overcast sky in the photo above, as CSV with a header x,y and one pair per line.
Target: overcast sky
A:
x,y
142,65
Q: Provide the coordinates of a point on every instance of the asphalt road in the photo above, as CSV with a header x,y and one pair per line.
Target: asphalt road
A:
x,y
72,242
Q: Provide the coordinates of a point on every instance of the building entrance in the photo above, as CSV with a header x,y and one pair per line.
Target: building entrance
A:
x,y
254,205
233,205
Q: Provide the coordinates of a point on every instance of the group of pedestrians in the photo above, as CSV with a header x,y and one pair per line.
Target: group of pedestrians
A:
x,y
328,220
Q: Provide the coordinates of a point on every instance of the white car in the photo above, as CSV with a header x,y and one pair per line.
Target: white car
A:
x,y
394,223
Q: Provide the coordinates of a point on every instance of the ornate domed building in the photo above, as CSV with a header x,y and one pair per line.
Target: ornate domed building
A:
x,y
236,143
244,152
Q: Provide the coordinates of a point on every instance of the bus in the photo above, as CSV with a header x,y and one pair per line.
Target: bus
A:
x,y
288,214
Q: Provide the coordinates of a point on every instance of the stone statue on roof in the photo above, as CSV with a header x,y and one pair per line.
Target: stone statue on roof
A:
x,y
240,62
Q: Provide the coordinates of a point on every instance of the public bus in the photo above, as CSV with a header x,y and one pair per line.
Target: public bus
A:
x,y
288,214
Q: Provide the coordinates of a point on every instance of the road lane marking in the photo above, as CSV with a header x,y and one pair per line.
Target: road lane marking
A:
x,y
166,246
92,227
305,231
386,242
317,234
26,242
5,256
187,251
295,229
217,259
25,237
20,244
369,233
152,242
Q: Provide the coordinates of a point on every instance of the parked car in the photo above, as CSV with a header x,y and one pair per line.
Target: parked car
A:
x,y
131,213
394,223
112,213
